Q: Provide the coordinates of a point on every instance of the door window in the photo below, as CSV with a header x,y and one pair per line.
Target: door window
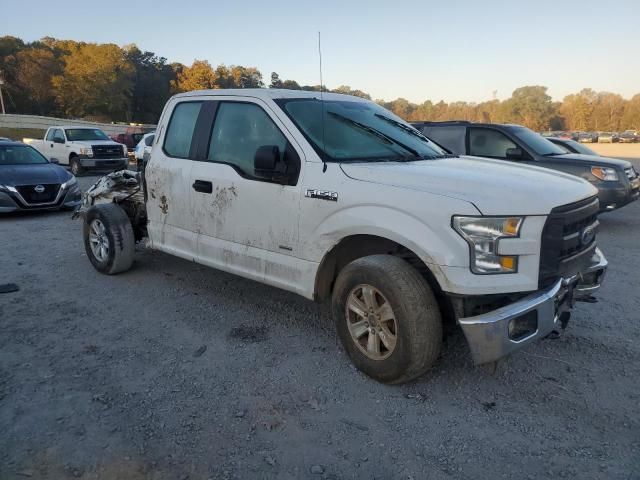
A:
x,y
58,135
484,142
177,141
239,130
50,134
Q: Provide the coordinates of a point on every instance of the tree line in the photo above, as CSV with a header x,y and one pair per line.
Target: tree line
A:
x,y
106,82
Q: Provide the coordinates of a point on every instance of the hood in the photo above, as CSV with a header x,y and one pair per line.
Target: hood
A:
x,y
592,160
96,142
13,175
495,187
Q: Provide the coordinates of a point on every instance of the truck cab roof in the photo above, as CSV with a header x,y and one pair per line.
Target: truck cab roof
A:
x,y
271,94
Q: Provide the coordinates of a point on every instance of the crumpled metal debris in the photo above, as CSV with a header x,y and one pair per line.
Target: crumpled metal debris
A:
x,y
113,187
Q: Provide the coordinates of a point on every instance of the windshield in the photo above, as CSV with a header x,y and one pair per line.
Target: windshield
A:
x,y
80,134
357,131
537,142
20,155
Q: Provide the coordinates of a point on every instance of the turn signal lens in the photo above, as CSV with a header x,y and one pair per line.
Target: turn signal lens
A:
x,y
508,263
511,226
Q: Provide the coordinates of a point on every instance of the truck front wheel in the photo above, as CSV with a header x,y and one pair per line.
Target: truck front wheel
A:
x,y
74,165
108,238
387,318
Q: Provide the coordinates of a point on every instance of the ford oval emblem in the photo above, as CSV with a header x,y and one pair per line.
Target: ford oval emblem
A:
x,y
588,234
38,188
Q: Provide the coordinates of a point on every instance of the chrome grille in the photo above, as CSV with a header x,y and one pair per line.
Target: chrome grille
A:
x,y
566,241
38,193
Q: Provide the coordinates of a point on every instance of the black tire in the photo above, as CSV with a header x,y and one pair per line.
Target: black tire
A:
x,y
119,235
75,167
416,312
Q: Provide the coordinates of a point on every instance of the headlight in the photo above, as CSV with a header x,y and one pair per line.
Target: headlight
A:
x,y
8,188
604,173
483,235
88,151
69,183
125,151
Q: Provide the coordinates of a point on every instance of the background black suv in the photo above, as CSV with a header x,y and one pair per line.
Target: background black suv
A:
x,y
616,180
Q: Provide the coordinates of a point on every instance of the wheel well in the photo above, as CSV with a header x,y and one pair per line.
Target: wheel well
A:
x,y
358,246
72,155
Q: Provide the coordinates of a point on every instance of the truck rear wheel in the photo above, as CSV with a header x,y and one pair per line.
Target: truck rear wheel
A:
x,y
387,318
108,238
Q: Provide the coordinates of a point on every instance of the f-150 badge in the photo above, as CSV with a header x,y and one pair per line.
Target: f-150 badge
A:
x,y
321,194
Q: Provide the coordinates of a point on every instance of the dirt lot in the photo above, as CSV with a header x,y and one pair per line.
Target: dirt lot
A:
x,y
630,151
175,371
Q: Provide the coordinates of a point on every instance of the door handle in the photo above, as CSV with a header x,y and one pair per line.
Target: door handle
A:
x,y
202,186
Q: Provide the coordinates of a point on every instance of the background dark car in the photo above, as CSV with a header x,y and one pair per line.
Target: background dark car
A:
x,y
588,137
28,181
571,146
616,180
131,137
627,137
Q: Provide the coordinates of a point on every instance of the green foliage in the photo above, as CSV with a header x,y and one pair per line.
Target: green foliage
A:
x,y
20,133
96,80
111,83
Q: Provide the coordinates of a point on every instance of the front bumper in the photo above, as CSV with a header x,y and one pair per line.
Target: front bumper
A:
x,y
12,202
613,195
103,163
489,335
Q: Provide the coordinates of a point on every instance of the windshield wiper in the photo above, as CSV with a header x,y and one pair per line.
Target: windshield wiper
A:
x,y
416,133
375,132
552,154
404,127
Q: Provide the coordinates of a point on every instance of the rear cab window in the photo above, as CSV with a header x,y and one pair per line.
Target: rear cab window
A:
x,y
452,137
182,124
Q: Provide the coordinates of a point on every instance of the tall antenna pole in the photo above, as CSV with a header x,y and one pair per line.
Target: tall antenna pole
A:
x,y
320,57
324,166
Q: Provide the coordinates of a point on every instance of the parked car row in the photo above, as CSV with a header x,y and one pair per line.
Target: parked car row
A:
x,y
402,227
335,198
628,136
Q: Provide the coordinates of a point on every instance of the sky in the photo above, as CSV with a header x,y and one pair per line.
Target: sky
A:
x,y
447,50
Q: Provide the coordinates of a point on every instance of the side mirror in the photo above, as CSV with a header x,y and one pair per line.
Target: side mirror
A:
x,y
58,140
266,159
514,154
268,165
54,161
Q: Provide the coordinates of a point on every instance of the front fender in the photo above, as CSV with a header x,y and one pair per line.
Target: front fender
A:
x,y
435,243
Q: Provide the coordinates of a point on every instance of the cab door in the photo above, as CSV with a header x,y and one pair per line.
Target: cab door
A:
x,y
246,223
171,224
48,145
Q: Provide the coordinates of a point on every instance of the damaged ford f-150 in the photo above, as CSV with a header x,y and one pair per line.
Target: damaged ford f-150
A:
x,y
334,197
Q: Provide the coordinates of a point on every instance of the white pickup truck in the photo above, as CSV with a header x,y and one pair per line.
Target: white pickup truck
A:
x,y
81,148
334,197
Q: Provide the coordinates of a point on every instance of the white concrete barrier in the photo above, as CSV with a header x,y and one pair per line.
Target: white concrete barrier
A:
x,y
34,121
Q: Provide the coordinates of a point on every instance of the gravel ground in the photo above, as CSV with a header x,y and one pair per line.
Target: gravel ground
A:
x,y
176,371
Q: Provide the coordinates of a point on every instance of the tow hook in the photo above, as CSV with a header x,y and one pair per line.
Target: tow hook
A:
x,y
563,319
